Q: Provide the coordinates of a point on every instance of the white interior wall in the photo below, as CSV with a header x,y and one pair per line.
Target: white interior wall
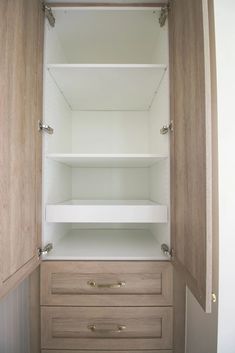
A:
x,y
103,131
57,114
159,181
57,178
110,132
110,183
57,187
108,36
54,53
161,51
159,115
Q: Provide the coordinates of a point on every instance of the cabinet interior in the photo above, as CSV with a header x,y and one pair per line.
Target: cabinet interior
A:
x,y
106,167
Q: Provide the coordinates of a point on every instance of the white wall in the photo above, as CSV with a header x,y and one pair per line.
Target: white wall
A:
x,y
201,328
225,47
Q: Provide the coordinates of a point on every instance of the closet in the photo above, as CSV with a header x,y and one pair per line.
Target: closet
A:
x,y
125,141
106,166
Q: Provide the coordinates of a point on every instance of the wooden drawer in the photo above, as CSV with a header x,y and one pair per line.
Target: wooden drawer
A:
x,y
103,328
90,283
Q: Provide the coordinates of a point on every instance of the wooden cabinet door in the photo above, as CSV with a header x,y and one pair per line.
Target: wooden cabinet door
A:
x,y
192,145
21,46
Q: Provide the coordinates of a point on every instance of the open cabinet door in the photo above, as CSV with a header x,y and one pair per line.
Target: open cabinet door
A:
x,y
21,59
191,145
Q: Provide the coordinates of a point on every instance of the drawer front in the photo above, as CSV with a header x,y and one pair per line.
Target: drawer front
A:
x,y
106,328
90,283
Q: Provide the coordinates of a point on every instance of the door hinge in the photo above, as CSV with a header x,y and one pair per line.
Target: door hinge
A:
x,y
45,128
213,298
167,251
164,14
45,250
49,14
166,128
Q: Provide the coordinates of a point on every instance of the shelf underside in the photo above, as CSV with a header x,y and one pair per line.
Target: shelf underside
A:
x,y
107,244
106,211
107,160
108,87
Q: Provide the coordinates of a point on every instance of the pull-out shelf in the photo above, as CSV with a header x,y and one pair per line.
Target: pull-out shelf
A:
x,y
106,211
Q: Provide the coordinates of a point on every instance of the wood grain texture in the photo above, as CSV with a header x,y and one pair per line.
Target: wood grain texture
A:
x,y
191,145
67,328
20,143
66,283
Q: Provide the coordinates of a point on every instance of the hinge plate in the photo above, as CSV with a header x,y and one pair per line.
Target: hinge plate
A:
x,y
167,251
42,127
45,250
166,128
49,14
164,14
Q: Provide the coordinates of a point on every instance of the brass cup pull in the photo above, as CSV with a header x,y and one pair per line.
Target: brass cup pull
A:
x,y
117,328
119,284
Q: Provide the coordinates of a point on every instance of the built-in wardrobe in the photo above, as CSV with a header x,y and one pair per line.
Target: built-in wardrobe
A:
x,y
108,167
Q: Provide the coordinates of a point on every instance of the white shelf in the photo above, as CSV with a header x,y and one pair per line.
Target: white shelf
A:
x,y
108,86
106,211
107,160
105,244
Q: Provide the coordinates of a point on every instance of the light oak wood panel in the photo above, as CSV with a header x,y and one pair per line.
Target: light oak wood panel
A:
x,y
20,143
191,145
67,283
68,328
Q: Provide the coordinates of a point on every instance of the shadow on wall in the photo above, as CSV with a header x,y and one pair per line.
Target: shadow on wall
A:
x,y
14,320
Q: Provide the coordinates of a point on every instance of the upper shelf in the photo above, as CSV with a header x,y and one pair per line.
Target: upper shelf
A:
x,y
107,160
108,86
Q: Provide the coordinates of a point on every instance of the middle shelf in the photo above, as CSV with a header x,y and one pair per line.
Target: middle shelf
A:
x,y
106,211
107,160
108,86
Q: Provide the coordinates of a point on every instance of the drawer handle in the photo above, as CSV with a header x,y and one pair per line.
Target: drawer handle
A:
x,y
119,328
93,284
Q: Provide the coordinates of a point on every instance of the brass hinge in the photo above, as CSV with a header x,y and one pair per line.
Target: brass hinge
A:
x,y
164,14
167,251
45,250
49,14
213,298
166,128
